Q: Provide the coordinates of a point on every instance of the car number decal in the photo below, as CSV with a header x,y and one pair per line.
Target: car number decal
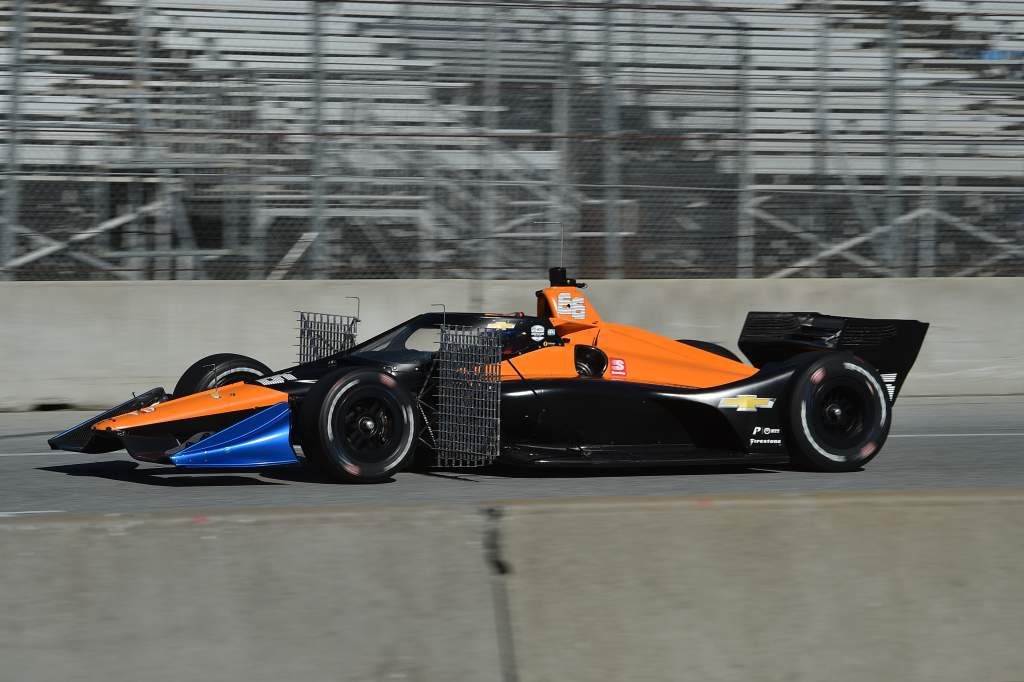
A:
x,y
568,305
275,379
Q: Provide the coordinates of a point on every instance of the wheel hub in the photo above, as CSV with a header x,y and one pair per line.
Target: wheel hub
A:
x,y
842,414
368,426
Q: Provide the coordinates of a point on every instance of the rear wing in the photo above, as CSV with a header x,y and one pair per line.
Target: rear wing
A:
x,y
890,345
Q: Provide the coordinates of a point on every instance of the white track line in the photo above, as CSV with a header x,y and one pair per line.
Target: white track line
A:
x,y
37,454
11,514
957,435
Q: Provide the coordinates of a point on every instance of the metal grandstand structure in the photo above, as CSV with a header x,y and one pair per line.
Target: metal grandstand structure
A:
x,y
182,139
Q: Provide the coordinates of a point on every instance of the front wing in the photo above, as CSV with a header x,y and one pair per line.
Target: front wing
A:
x,y
260,439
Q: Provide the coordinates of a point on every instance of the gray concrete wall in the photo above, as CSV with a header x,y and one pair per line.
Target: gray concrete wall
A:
x,y
379,595
829,588
93,343
839,588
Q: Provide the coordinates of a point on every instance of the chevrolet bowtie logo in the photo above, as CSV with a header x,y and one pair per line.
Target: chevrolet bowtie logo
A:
x,y
747,403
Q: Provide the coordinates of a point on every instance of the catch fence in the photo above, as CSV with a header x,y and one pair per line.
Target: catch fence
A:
x,y
178,139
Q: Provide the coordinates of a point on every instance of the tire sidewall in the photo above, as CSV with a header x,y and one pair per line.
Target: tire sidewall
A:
x,y
808,445
322,425
211,371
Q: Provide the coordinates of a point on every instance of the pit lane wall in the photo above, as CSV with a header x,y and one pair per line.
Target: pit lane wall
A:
x,y
828,587
91,344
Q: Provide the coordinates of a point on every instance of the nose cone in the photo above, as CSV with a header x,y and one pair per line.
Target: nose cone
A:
x,y
231,398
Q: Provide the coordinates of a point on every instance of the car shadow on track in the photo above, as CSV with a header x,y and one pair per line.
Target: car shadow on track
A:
x,y
297,473
622,471
130,472
172,477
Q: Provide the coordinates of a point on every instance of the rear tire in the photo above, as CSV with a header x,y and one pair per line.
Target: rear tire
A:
x,y
218,370
721,351
839,414
358,426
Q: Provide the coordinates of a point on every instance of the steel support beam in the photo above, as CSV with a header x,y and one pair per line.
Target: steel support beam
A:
x,y
487,257
895,239
52,246
567,212
11,188
821,147
316,150
612,153
926,227
745,206
135,234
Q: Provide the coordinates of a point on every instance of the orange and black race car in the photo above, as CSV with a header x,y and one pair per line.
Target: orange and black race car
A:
x,y
562,387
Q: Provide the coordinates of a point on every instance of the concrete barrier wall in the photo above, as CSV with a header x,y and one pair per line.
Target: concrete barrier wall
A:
x,y
92,343
839,588
845,588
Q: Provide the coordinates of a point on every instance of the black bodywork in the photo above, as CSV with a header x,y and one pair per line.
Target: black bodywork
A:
x,y
590,420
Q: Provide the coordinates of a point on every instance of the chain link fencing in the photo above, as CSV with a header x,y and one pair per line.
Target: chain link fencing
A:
x,y
177,139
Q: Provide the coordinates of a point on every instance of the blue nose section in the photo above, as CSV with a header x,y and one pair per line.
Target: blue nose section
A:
x,y
262,439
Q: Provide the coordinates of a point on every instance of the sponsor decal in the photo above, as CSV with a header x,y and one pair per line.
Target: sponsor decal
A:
x,y
761,433
747,403
537,332
273,379
617,367
501,324
567,305
890,384
818,376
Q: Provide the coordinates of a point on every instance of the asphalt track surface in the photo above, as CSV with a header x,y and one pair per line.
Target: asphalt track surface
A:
x,y
936,444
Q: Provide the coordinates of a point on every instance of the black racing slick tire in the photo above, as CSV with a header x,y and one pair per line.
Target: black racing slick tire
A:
x,y
839,414
711,348
218,370
358,426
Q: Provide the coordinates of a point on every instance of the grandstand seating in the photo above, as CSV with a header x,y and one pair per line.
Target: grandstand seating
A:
x,y
224,104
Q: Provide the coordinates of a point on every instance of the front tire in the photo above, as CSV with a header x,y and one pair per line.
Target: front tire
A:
x,y
839,414
218,370
358,426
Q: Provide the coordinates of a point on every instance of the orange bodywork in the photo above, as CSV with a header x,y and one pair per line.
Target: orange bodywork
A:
x,y
633,354
231,398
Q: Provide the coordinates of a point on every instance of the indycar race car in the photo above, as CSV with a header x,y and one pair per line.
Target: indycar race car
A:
x,y
562,387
